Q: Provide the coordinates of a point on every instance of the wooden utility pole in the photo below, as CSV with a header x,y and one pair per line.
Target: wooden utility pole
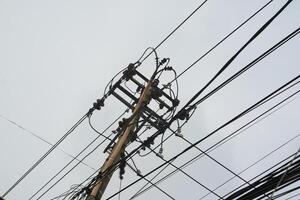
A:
x,y
119,147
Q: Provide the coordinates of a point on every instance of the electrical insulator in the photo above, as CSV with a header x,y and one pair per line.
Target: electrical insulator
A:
x,y
122,165
183,115
129,72
161,106
163,61
99,103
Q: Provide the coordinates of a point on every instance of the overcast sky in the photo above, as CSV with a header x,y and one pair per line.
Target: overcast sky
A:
x,y
57,56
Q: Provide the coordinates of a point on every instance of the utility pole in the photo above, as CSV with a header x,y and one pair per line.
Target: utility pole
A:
x,y
119,147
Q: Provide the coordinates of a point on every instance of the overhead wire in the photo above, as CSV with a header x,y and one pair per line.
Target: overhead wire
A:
x,y
232,58
267,177
46,154
288,184
64,194
110,83
291,197
152,78
247,67
220,71
283,175
276,171
218,162
71,161
226,139
69,133
185,173
189,176
226,65
255,35
216,130
70,170
127,124
251,64
101,133
221,41
296,78
142,190
286,192
106,93
253,164
148,181
40,138
93,180
173,31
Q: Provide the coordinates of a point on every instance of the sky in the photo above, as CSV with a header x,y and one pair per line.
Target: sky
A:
x,y
56,58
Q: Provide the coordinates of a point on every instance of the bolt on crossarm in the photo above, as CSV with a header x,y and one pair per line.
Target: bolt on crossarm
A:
x,y
119,147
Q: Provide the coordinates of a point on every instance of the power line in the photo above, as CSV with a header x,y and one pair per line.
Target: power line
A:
x,y
262,56
183,110
260,174
251,64
83,150
226,139
249,109
223,68
189,176
269,181
204,138
253,164
221,41
265,26
286,192
276,46
46,154
219,163
283,175
257,33
293,196
197,157
40,138
264,100
265,171
172,32
276,171
169,162
154,185
185,173
101,133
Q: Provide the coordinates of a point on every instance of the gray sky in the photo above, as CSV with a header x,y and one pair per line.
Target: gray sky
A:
x,y
57,56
